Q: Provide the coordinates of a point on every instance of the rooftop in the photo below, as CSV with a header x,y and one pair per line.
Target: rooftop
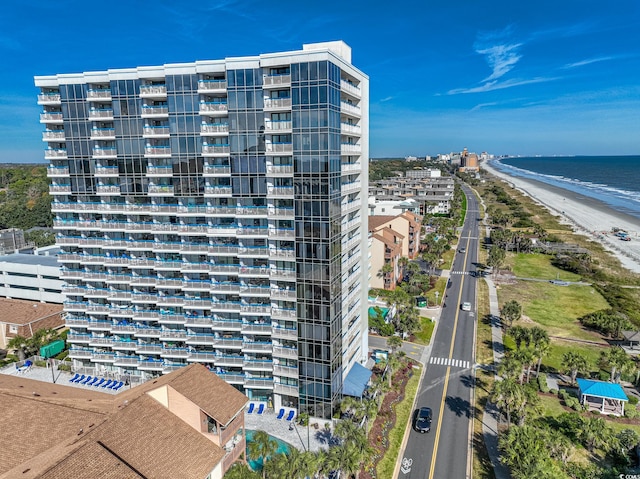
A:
x,y
20,311
31,259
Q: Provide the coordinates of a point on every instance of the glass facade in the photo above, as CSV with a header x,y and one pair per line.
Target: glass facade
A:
x,y
214,216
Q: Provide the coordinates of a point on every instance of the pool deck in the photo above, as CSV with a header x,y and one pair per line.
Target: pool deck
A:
x,y
301,437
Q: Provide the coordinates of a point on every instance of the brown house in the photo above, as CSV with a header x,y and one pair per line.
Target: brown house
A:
x,y
187,424
20,317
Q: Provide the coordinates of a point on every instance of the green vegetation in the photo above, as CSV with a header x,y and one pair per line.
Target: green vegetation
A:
x,y
382,169
24,197
537,266
423,336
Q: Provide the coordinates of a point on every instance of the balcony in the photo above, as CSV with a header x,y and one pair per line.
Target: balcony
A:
x,y
157,151
122,360
277,170
349,129
101,342
103,133
214,129
252,231
351,168
53,135
51,117
166,171
217,190
285,333
208,86
261,383
103,357
197,356
215,150
153,91
108,190
55,153
191,321
285,352
284,274
223,306
106,171
280,253
99,94
280,191
252,328
350,149
101,114
258,364
350,88
213,108
57,171
154,111
283,294
287,371
350,109
172,319
276,80
124,345
232,378
49,99
283,313
279,388
279,148
151,365
181,353
277,104
155,132
149,349
76,338
161,189
262,309
350,207
105,152
224,170
201,338
255,290
282,233
282,126
228,360
78,353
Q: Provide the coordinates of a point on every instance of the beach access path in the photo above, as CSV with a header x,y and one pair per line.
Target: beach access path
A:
x,y
587,216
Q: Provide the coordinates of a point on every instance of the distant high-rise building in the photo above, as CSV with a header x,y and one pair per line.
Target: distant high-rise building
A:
x,y
215,212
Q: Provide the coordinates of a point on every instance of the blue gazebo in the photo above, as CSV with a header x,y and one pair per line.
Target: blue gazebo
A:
x,y
608,398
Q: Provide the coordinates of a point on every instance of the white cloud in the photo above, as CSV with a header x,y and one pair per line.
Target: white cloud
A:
x,y
483,105
501,59
387,99
587,62
494,85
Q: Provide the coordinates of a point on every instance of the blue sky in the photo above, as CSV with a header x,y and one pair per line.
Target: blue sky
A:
x,y
508,77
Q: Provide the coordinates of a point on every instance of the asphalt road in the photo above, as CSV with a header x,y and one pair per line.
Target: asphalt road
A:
x,y
446,386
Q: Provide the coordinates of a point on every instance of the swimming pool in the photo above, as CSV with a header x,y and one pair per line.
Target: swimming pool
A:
x,y
373,314
257,465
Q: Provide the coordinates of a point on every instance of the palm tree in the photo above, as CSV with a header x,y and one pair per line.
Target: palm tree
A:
x,y
510,367
541,345
617,359
507,396
574,363
346,459
241,471
511,311
525,357
520,335
21,345
394,342
349,433
262,447
594,432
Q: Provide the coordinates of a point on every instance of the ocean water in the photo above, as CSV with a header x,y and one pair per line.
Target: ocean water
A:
x,y
614,180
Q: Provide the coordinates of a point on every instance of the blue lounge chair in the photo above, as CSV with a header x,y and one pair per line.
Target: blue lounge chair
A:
x,y
120,384
115,385
99,383
251,408
107,384
292,413
80,379
93,381
261,409
89,378
280,414
74,378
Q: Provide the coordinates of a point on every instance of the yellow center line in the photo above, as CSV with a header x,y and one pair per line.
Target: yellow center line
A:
x,y
446,378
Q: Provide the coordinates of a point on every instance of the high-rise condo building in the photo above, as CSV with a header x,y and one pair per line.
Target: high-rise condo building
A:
x,y
215,212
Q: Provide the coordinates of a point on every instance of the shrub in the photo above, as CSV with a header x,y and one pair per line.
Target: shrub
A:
x,y
633,400
573,403
604,376
62,355
41,364
562,394
64,367
553,391
542,383
631,413
595,411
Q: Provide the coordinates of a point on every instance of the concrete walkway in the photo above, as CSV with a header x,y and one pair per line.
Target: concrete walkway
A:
x,y
491,414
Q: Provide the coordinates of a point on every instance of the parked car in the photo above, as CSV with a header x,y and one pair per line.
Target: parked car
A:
x,y
422,420
557,282
466,306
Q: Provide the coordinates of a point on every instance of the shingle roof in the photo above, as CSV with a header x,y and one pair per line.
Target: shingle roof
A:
x,y
19,311
195,382
376,221
601,389
157,443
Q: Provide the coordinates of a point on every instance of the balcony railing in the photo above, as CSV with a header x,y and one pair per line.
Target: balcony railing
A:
x,y
277,103
48,98
211,85
99,114
280,169
53,153
161,189
51,117
350,129
213,107
155,131
153,90
280,191
276,80
215,149
279,147
57,171
157,150
349,108
103,133
273,125
53,135
150,110
99,94
351,88
213,128
217,170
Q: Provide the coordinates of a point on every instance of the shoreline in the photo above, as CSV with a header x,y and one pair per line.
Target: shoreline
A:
x,y
587,216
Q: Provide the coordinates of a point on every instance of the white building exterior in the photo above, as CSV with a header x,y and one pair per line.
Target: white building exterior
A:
x,y
32,277
215,212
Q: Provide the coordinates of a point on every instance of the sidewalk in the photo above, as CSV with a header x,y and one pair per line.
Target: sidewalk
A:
x,y
491,414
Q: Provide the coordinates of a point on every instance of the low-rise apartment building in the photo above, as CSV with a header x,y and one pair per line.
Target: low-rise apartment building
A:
x,y
433,194
24,318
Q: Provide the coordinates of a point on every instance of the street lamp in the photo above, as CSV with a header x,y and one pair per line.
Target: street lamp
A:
x,y
437,294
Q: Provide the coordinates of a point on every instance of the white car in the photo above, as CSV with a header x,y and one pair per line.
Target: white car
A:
x,y
466,306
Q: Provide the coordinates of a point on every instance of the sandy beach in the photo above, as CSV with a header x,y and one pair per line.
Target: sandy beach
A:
x,y
587,216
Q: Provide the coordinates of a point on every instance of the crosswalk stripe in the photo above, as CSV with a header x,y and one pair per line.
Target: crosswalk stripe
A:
x,y
456,363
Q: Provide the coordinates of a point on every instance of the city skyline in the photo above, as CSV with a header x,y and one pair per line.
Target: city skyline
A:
x,y
505,78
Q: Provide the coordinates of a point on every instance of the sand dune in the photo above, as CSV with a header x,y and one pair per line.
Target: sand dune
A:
x,y
588,216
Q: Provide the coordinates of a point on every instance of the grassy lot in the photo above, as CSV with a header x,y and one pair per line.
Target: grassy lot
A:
x,y
440,286
553,361
484,350
556,308
537,266
426,330
447,259
403,413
